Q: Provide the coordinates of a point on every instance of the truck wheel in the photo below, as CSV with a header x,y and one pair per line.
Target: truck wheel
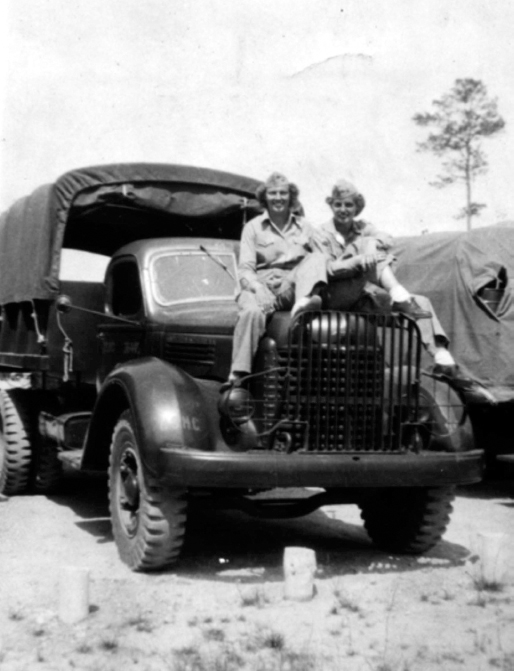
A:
x,y
407,520
148,521
3,463
15,424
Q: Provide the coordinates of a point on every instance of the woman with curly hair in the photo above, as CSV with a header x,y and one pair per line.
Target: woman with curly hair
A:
x,y
361,278
279,268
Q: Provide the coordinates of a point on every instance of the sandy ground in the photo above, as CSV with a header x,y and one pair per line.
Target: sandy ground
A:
x,y
223,607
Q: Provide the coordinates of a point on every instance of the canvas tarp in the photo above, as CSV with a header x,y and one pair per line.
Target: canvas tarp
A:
x,y
99,209
451,269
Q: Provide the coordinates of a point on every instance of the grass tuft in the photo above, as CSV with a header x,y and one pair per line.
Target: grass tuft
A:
x,y
195,659
141,623
256,597
342,602
214,634
483,585
273,640
16,615
299,661
109,644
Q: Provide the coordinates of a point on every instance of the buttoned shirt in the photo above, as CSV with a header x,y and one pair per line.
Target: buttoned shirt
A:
x,y
268,253
338,248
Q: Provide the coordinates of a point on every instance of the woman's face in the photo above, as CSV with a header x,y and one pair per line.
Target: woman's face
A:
x,y
278,199
344,210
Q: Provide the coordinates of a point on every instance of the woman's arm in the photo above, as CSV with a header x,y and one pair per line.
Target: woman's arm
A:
x,y
248,258
383,239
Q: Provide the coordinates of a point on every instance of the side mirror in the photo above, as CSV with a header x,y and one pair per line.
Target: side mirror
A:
x,y
63,304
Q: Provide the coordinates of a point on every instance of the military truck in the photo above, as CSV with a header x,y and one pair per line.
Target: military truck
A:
x,y
126,374
468,278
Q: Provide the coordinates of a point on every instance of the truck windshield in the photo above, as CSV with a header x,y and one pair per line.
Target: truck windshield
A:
x,y
193,275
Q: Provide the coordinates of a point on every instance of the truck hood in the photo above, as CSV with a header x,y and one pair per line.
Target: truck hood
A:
x,y
205,317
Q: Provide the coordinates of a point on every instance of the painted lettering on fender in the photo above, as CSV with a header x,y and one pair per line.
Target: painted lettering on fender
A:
x,y
191,423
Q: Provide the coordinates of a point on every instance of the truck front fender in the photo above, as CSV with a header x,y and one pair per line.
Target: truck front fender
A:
x,y
170,410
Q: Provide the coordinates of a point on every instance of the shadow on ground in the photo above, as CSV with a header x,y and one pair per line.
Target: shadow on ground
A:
x,y
222,543
228,545
500,487
87,496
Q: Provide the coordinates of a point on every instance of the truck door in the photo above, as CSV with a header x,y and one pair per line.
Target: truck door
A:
x,y
122,341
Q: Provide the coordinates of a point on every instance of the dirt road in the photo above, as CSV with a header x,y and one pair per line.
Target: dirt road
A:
x,y
222,607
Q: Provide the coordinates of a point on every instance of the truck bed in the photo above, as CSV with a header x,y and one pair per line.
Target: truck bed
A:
x,y
25,346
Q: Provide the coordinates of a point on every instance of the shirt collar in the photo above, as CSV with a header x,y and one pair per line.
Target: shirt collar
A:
x,y
293,220
354,230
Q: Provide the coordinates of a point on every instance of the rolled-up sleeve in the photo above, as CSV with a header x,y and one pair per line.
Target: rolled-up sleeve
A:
x,y
337,266
384,240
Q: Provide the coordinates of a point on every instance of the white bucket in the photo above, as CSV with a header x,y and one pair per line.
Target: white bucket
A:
x,y
491,550
73,594
299,570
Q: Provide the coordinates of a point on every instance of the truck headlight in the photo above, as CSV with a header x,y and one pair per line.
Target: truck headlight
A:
x,y
237,405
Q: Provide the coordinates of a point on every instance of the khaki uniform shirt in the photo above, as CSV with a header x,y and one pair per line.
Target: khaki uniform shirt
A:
x,y
339,249
268,254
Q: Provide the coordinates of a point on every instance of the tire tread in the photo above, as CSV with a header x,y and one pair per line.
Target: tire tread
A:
x,y
162,516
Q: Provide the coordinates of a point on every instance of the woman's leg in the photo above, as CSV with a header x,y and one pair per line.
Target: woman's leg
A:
x,y
300,289
250,327
402,300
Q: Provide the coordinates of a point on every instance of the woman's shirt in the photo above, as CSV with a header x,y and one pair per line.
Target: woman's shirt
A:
x,y
267,253
339,249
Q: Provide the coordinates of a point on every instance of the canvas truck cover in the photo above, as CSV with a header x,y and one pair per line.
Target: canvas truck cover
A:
x,y
101,208
451,269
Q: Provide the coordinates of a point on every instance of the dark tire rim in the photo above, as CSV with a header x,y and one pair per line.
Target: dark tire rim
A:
x,y
129,490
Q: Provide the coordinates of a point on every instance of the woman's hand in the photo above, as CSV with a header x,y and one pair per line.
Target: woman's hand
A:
x,y
368,261
265,298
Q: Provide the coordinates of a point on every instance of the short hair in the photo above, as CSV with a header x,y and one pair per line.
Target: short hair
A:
x,y
343,189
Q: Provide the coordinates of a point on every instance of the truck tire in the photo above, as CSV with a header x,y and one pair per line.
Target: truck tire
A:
x,y
3,463
148,521
407,520
15,424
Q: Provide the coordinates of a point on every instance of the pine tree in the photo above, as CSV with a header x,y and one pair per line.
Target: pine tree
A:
x,y
461,118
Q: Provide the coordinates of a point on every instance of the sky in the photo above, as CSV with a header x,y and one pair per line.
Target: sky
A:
x,y
319,90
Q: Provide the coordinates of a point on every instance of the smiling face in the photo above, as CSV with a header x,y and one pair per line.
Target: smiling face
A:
x,y
277,199
344,210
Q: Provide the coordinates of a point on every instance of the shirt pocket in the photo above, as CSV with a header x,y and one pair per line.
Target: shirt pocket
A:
x,y
263,240
302,240
265,248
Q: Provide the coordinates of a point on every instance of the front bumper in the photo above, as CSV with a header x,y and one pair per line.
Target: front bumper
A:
x,y
271,469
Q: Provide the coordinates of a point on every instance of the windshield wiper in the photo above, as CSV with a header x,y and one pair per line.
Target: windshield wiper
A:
x,y
218,261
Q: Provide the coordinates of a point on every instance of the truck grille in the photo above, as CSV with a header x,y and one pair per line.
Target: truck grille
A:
x,y
195,357
345,383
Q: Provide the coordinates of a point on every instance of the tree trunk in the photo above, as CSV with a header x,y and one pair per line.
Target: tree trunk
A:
x,y
468,191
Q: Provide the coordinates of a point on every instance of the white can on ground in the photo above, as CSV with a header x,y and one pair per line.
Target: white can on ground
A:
x,y
492,554
73,594
299,571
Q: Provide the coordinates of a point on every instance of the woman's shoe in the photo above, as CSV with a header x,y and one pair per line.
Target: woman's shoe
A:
x,y
306,304
471,390
411,309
